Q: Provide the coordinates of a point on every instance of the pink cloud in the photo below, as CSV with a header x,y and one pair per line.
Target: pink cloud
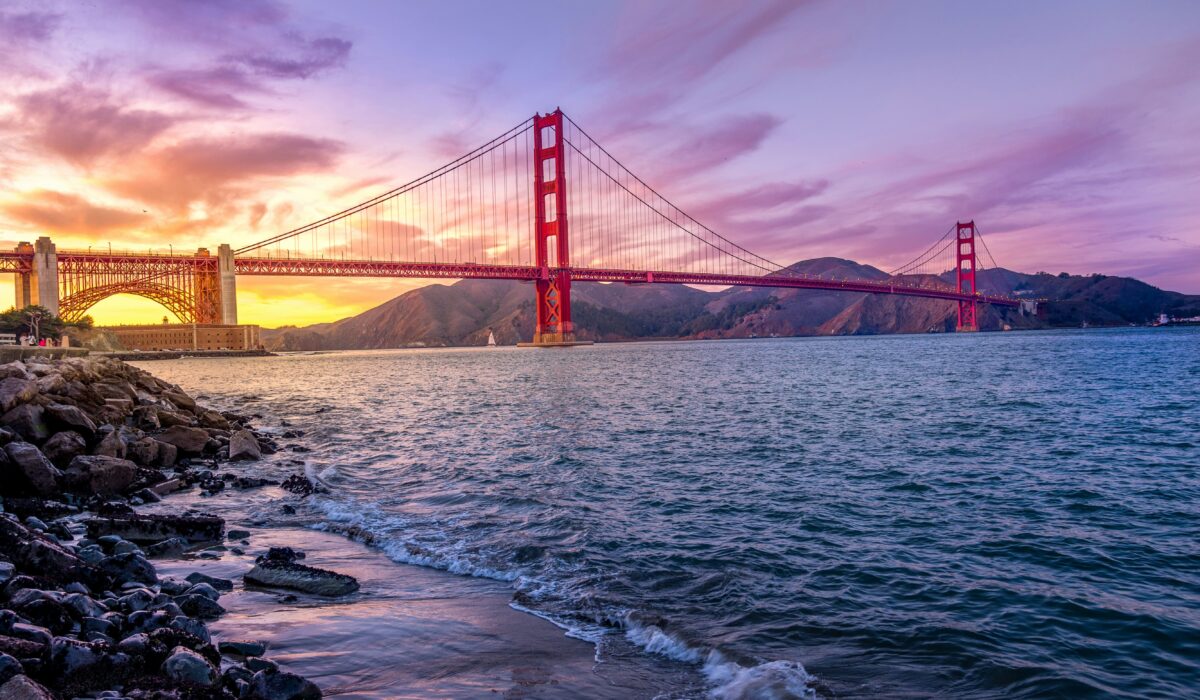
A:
x,y
213,169
82,124
58,212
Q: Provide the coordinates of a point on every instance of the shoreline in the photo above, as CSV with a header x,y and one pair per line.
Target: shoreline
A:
x,y
85,609
404,631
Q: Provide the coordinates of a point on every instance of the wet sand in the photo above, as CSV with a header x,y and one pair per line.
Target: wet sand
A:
x,y
409,632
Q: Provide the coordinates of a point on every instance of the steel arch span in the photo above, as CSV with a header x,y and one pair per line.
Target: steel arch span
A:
x,y
178,301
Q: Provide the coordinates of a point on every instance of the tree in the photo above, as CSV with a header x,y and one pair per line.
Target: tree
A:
x,y
38,322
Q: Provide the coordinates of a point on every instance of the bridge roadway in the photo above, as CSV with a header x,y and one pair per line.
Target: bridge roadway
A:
x,y
150,265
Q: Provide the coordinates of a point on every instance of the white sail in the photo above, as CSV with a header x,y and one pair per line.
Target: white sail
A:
x,y
491,339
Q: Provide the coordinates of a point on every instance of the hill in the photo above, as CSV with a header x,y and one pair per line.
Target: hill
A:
x,y
463,313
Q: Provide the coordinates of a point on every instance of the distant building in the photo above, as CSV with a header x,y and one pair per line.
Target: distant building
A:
x,y
187,336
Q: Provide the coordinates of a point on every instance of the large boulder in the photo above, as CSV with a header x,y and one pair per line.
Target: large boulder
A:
x,y
180,399
71,418
129,567
32,551
27,420
273,684
97,474
213,419
309,579
27,469
144,451
15,390
24,688
244,446
156,528
111,445
186,667
63,447
80,666
189,440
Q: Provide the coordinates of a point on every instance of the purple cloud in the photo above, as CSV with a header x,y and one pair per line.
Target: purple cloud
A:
x,y
712,147
28,27
311,56
219,87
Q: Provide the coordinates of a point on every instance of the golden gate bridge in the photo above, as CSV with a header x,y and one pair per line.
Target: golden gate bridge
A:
x,y
543,202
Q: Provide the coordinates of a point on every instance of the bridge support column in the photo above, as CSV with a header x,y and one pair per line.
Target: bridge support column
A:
x,y
23,281
44,284
964,272
554,326
228,278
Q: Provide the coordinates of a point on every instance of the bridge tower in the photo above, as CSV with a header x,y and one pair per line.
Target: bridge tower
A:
x,y
553,284
964,273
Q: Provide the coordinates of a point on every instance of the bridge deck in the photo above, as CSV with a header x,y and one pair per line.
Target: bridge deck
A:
x,y
308,267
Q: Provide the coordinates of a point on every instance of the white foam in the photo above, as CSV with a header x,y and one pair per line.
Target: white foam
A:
x,y
773,680
655,640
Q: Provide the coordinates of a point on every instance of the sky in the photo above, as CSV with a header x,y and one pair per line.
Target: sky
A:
x,y
1070,131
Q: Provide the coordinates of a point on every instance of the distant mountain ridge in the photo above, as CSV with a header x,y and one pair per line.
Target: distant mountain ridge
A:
x,y
464,312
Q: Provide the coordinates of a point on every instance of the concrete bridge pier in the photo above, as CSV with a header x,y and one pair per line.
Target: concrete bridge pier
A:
x,y
39,286
45,274
228,284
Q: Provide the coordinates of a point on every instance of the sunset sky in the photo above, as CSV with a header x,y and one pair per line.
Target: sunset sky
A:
x,y
1069,130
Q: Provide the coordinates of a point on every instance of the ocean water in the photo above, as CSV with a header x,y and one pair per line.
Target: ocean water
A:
x,y
992,515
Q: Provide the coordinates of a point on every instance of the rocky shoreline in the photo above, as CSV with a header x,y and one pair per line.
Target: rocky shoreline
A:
x,y
84,613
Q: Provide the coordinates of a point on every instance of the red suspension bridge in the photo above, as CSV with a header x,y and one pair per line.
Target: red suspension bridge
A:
x,y
542,202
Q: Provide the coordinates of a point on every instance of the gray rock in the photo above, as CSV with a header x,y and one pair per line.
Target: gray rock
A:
x,y
28,466
244,446
144,451
71,418
33,633
204,589
7,571
62,447
156,528
73,659
188,440
129,567
9,667
111,446
91,554
167,454
27,421
15,390
35,523
194,627
135,644
307,579
200,606
83,606
220,584
24,688
98,474
125,547
238,534
280,685
212,419
167,549
186,667
242,648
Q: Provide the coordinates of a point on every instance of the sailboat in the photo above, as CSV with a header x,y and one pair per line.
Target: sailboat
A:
x,y
491,339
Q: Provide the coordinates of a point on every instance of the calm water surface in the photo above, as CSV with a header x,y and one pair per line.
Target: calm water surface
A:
x,y
991,515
